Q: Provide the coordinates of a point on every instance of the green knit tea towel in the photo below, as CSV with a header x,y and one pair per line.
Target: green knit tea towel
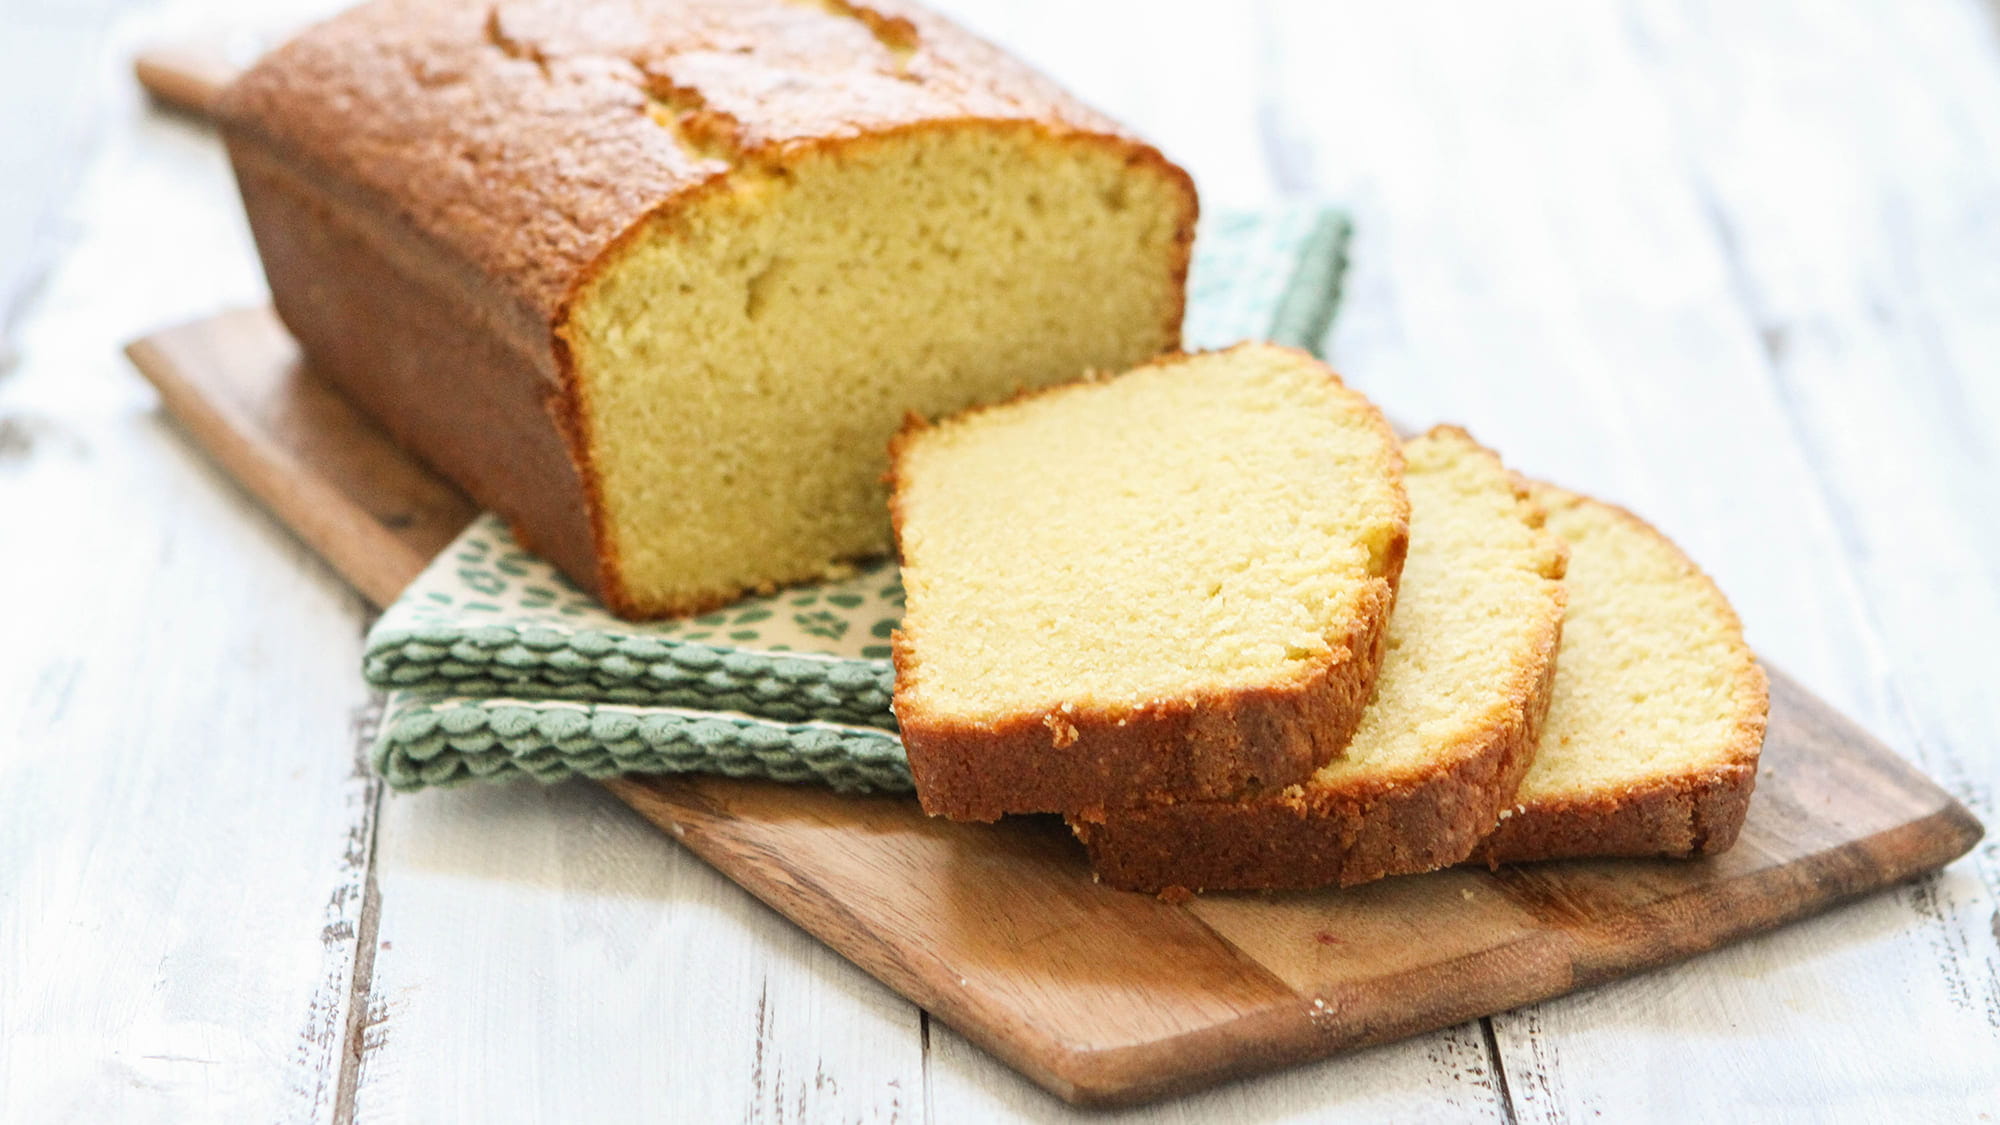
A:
x,y
498,666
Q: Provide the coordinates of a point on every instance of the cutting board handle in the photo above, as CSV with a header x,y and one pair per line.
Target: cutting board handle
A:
x,y
187,76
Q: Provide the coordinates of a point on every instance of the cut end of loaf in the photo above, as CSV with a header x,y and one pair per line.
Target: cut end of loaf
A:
x,y
741,361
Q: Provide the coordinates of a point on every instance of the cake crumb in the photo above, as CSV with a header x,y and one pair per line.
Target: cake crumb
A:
x,y
1062,732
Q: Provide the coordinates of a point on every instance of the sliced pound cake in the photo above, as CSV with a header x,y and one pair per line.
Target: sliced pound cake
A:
x,y
1169,584
1651,743
1452,728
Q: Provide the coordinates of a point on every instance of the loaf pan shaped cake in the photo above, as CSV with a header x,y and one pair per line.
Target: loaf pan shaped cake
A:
x,y
1657,722
1441,749
1168,584
657,281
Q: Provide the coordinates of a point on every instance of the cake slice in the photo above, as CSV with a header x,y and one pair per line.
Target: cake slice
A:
x,y
1439,752
1652,737
1169,584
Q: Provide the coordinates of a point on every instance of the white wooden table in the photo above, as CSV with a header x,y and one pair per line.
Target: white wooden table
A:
x,y
1736,265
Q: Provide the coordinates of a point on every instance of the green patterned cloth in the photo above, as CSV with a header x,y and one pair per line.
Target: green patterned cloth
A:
x,y
497,666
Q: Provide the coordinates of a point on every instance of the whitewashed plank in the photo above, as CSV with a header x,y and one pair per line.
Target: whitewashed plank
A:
x,y
182,847
1534,262
183,823
47,113
1180,73
545,954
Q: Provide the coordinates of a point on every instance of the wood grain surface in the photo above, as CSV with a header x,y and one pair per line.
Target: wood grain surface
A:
x,y
1098,995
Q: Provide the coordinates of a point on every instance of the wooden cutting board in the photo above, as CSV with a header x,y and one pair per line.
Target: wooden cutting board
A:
x,y
1099,995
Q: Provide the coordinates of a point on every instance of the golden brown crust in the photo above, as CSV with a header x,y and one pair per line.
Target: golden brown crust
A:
x,y
1679,815
1325,836
1356,831
484,161
523,136
1698,814
402,335
1083,760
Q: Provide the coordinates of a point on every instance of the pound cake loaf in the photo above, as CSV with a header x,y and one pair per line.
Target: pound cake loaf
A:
x,y
1173,583
657,280
1440,750
1652,739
